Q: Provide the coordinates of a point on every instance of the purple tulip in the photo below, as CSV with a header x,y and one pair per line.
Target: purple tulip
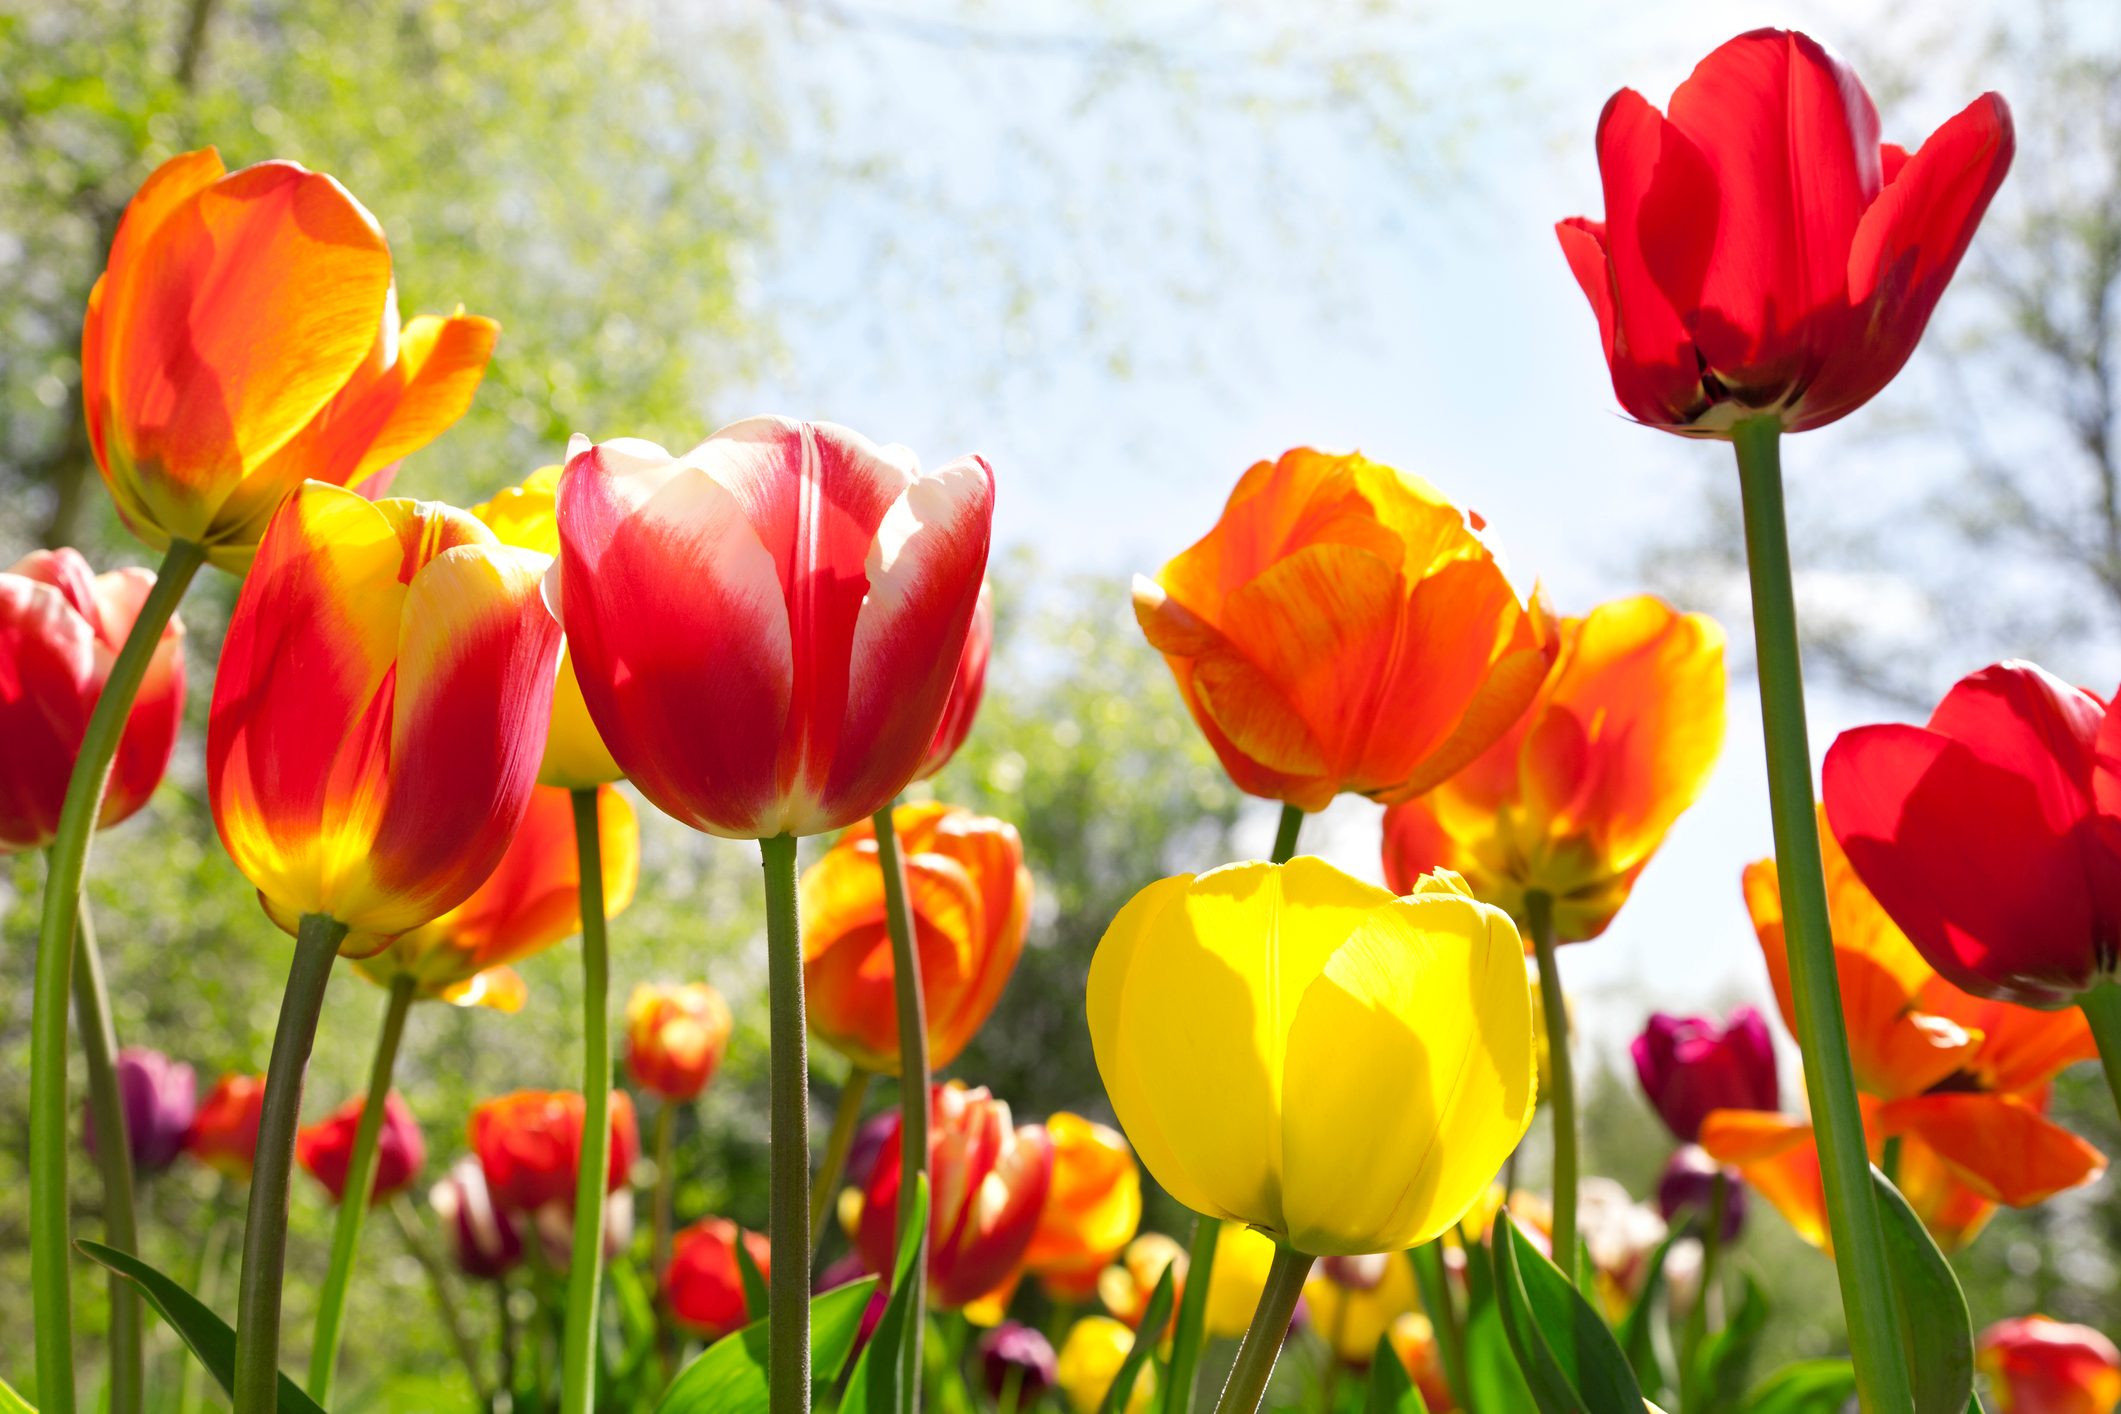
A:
x,y
1690,1066
1687,1188
159,1097
1010,1346
482,1237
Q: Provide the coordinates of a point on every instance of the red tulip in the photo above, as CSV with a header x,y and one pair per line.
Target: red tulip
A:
x,y
224,1132
60,628
2039,1366
1762,252
703,1285
326,1149
1993,835
766,629
966,690
530,1144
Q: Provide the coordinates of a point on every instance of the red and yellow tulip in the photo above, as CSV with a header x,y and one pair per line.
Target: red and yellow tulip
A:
x,y
675,1038
1092,1209
2040,1366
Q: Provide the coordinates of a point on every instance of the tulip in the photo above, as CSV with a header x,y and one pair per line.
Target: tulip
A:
x,y
556,1228
1414,1342
1092,1209
326,1149
160,1098
1089,1361
1687,1187
1243,1259
1344,628
224,1131
965,691
702,1284
529,1145
990,1180
1620,1234
1353,1300
1016,1352
675,1038
971,900
1690,1065
482,1237
2040,1366
1126,1287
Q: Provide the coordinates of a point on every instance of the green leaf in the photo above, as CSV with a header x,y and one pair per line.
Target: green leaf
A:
x,y
870,1391
1935,1331
13,1403
1635,1327
1809,1387
730,1376
754,1280
1724,1362
1391,1392
1155,1316
1569,1358
1491,1369
206,1334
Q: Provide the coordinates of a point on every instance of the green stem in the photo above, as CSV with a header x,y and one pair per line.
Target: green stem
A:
x,y
1889,1160
2102,1008
1269,1328
1329,1384
1539,914
1697,1318
445,1299
114,1157
49,1245
504,1333
664,1220
788,1284
1292,823
354,1200
912,1007
585,1272
1436,1302
1844,1160
257,1372
206,1285
846,1119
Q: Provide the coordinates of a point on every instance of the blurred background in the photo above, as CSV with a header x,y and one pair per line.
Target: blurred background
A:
x,y
1125,250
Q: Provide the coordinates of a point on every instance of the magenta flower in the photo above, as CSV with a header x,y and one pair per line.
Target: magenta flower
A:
x,y
1689,1066
160,1097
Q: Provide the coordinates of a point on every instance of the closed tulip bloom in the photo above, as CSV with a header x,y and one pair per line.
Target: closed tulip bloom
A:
x,y
1762,251
1354,1300
971,900
1992,836
245,337
326,1149
530,1144
1092,1209
530,901
61,626
703,1286
224,1132
988,1177
482,1236
1686,1188
1015,1351
528,516
161,1098
1690,1065
1575,798
1126,1287
675,1038
966,691
1344,628
1272,1043
797,684
1089,1361
2040,1366
378,712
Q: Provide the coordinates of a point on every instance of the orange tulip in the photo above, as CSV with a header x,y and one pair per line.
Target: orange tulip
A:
x,y
1126,1286
224,1132
1575,797
675,1038
245,337
1092,1208
379,711
1344,628
971,898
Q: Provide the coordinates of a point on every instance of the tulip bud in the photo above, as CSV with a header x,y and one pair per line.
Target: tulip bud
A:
x,y
160,1097
1687,1189
1689,1065
704,1285
675,1038
1015,1349
224,1132
482,1237
1353,1300
326,1150
2039,1366
1089,1360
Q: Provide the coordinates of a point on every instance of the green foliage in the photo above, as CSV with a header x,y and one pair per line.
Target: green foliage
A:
x,y
731,1377
1155,1316
1391,1392
876,1384
1567,1355
1934,1330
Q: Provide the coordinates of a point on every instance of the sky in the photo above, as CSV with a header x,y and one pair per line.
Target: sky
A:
x,y
1125,282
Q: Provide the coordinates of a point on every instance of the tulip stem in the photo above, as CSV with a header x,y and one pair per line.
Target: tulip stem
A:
x,y
664,1221
585,1272
257,1373
1264,1337
354,1198
1539,914
1866,1282
1292,823
2102,1008
846,1119
912,1006
445,1299
1697,1319
49,1248
206,1285
114,1158
1429,1275
788,1284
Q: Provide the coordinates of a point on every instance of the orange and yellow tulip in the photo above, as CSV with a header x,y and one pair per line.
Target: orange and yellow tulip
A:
x,y
530,901
1574,799
379,711
1344,628
971,899
1092,1209
1125,1288
675,1038
243,338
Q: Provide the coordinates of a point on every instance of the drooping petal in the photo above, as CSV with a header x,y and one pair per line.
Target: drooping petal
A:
x,y
1780,1159
2001,1146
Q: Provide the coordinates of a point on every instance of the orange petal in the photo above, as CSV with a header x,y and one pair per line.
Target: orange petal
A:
x,y
1998,1145
1780,1158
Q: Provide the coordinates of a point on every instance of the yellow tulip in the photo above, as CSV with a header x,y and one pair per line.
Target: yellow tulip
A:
x,y
1089,1361
1354,1300
1294,1050
1242,1257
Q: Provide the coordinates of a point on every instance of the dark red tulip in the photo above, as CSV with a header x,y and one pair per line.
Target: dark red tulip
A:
x,y
1689,1065
1012,1346
1687,1186
482,1236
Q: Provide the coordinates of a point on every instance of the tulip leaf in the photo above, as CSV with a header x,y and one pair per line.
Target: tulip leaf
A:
x,y
1636,1327
871,1390
206,1334
1391,1392
1155,1316
1809,1387
1492,1377
754,1280
1935,1330
1568,1356
730,1376
13,1403
1723,1363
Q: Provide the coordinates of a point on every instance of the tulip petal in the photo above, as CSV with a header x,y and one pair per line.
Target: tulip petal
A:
x,y
1583,246
48,687
158,709
1998,1145
1779,1157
